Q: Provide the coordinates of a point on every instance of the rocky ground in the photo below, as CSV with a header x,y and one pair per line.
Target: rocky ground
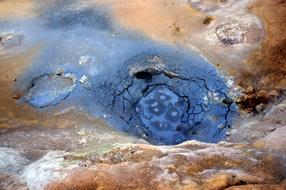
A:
x,y
190,165
68,148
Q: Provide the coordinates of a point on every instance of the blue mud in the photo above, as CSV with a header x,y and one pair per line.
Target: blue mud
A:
x,y
162,93
49,90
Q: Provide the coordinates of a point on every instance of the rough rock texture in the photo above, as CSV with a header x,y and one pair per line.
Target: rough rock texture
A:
x,y
231,33
191,165
11,161
269,142
259,187
254,128
45,169
35,142
266,67
11,182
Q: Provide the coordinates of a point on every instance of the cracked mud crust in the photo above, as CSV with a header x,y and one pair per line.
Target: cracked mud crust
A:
x,y
205,114
70,143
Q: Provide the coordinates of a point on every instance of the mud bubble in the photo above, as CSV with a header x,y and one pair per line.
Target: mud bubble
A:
x,y
168,103
50,89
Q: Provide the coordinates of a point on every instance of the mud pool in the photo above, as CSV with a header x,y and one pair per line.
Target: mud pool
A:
x,y
164,94
161,94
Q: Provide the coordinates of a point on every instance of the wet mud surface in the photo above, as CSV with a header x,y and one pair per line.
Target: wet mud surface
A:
x,y
86,57
49,90
169,98
89,62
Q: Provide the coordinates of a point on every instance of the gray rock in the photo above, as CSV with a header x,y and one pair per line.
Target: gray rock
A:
x,y
11,161
43,171
231,33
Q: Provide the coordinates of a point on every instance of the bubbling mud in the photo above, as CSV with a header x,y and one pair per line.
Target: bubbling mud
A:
x,y
166,101
49,90
162,111
112,73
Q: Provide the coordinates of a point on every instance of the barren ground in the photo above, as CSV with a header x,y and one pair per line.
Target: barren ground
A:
x,y
37,147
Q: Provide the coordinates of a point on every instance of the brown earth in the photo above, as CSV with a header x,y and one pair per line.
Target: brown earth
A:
x,y
266,68
261,68
16,8
258,187
191,165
